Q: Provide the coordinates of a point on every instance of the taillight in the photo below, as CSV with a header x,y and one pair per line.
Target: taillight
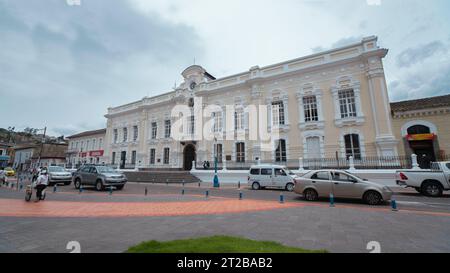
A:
x,y
403,176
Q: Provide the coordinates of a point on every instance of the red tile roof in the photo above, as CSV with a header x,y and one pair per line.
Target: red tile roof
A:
x,y
88,133
425,103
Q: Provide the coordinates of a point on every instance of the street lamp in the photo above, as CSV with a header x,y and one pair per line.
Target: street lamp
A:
x,y
216,177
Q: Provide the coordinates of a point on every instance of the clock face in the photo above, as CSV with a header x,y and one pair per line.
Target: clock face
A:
x,y
193,85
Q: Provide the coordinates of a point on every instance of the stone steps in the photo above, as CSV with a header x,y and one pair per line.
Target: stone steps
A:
x,y
161,177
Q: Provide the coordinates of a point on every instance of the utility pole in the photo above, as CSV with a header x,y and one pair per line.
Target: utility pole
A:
x,y
42,147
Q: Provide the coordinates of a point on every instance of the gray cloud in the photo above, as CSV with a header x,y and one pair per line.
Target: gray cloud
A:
x,y
61,66
418,54
339,43
420,84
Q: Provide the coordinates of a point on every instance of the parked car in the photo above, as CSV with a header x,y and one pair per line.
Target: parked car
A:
x,y
431,182
99,176
71,171
342,184
58,175
10,171
271,176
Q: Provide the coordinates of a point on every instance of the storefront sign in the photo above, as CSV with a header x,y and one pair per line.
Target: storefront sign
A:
x,y
96,153
420,137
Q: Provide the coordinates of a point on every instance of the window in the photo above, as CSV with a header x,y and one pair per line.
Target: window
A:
x,y
266,171
239,119
192,125
347,103
166,155
152,156
313,147
280,152
133,157
154,130
337,176
240,152
321,176
135,133
115,135
280,172
113,159
418,130
100,144
82,146
167,128
254,171
310,106
125,134
352,146
217,122
218,152
93,145
278,113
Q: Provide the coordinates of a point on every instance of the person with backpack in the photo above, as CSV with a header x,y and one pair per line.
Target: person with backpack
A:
x,y
41,184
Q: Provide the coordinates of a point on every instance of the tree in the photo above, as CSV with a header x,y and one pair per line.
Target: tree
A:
x,y
30,131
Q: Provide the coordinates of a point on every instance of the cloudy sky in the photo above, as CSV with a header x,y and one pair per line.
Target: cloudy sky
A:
x,y
63,65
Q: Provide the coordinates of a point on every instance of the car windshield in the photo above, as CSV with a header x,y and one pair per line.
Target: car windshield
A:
x,y
289,171
56,169
104,169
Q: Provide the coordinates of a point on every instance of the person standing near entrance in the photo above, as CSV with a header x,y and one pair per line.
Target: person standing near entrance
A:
x,y
41,184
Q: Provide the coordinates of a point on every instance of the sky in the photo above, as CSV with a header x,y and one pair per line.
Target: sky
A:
x,y
62,65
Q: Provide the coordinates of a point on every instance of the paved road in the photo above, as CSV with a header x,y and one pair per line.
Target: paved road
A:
x,y
421,225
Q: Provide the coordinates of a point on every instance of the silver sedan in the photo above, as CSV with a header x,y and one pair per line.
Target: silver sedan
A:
x,y
341,184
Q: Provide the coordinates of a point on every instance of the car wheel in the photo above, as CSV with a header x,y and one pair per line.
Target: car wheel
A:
x,y
310,195
290,187
77,183
373,198
99,185
432,189
256,186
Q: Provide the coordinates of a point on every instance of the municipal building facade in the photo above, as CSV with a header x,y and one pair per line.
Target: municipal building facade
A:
x,y
329,104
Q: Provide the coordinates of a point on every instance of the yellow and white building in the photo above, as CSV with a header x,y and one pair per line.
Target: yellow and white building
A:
x,y
333,102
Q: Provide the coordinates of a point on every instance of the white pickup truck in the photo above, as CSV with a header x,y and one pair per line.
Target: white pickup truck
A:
x,y
427,182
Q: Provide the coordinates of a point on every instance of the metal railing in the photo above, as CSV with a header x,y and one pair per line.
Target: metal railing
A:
x,y
363,163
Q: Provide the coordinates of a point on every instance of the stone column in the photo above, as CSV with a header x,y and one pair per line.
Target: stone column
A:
x,y
381,111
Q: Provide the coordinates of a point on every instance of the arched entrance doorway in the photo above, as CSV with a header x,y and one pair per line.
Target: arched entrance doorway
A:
x,y
421,142
189,155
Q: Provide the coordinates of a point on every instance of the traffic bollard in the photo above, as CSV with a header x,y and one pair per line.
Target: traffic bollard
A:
x,y
110,190
182,192
394,205
239,184
146,191
240,195
331,200
281,198
183,183
207,194
167,182
54,188
199,184
81,189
